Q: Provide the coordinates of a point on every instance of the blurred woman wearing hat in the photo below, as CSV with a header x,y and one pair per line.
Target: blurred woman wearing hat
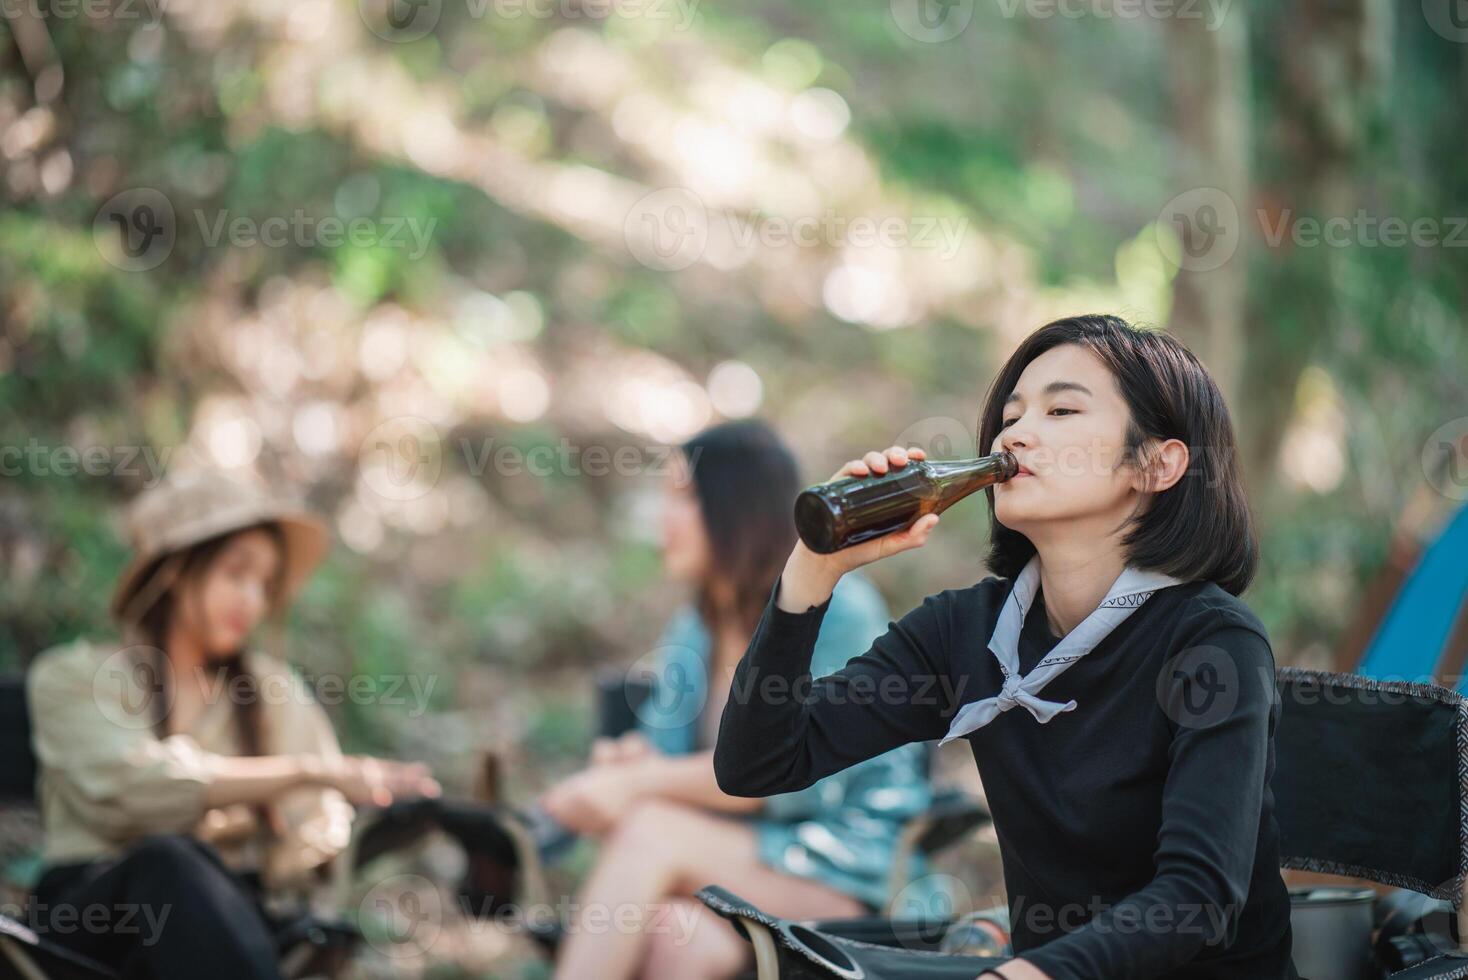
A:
x,y
181,762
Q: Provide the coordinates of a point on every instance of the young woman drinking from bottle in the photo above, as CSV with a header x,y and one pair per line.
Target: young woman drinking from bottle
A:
x,y
1116,693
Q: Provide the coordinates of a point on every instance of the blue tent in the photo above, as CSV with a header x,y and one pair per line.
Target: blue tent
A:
x,y
1409,643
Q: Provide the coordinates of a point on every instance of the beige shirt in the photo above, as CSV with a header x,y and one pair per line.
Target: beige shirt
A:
x,y
107,779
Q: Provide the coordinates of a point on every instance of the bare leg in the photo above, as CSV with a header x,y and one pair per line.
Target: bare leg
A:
x,y
630,917
711,950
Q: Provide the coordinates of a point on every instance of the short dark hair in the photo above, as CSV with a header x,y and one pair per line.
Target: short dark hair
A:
x,y
1200,528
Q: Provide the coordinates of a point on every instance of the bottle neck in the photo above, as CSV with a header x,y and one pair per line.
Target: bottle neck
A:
x,y
955,478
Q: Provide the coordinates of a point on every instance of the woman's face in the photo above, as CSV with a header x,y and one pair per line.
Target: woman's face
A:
x,y
684,540
1065,422
230,597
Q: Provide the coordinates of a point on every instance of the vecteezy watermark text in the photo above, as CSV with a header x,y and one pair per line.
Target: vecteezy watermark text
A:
x,y
670,229
137,229
403,916
93,918
148,12
37,459
309,231
402,21
132,689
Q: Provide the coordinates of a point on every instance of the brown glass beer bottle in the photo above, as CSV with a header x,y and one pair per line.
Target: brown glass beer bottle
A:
x,y
853,509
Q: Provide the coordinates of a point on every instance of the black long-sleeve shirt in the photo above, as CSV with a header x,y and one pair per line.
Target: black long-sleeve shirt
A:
x,y
1137,832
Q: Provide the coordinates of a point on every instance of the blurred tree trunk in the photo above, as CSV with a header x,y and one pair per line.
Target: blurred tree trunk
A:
x,y
1313,82
1209,80
1325,69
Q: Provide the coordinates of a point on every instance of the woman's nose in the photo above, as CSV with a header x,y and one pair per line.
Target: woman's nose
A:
x,y
1013,437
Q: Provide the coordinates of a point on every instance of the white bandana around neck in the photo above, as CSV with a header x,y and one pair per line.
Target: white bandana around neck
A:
x,y
1131,588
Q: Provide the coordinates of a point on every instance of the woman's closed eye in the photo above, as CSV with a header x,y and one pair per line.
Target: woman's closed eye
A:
x,y
1068,411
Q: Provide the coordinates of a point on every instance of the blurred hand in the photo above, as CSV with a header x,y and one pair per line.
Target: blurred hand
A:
x,y
594,799
222,825
364,779
628,748
1017,970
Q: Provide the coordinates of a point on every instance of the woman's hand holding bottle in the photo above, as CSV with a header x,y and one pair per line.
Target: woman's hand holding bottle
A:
x,y
809,578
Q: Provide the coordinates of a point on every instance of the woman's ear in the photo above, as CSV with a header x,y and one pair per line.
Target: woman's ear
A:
x,y
1163,464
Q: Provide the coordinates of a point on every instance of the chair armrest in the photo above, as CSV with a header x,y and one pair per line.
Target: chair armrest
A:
x,y
766,956
309,946
1449,966
341,869
952,816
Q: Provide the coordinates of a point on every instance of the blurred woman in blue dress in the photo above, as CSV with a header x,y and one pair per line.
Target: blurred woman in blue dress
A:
x,y
666,829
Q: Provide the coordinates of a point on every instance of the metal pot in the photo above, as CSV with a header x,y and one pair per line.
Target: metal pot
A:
x,y
1332,933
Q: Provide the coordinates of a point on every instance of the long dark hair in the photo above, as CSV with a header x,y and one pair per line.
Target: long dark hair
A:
x,y
1200,528
746,481
242,685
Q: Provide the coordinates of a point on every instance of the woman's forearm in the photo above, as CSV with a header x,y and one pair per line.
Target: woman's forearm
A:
x,y
690,779
259,779
806,581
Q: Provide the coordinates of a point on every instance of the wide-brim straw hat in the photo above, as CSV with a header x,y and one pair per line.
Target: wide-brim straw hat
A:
x,y
194,506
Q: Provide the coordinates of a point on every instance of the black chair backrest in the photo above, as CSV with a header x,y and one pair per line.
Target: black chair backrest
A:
x,y
17,757
1371,780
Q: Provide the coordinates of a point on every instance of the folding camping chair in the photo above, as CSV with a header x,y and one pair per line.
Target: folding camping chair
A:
x,y
307,944
1371,781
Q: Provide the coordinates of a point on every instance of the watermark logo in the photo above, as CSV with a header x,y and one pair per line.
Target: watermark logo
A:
x,y
1199,230
402,916
402,458
939,436
1445,459
677,682
1199,687
1449,18
933,900
130,690
135,230
400,21
667,230
932,21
